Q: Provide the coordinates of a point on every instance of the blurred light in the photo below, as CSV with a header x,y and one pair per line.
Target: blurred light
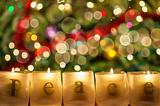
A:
x,y
17,69
122,28
130,57
155,34
92,43
46,54
7,57
77,68
25,70
83,49
112,53
67,6
125,39
34,37
146,41
145,52
117,11
39,6
61,48
33,4
24,55
24,23
73,51
61,7
132,12
79,43
158,11
103,13
114,31
51,32
97,37
90,5
60,1
93,52
30,68
37,58
62,64
88,15
158,51
97,15
78,26
139,18
101,0
34,23
142,3
144,9
107,44
81,60
11,45
102,42
37,45
129,24
11,8
16,52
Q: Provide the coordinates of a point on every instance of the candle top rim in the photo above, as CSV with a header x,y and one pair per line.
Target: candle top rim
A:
x,y
20,72
76,71
51,71
143,73
109,73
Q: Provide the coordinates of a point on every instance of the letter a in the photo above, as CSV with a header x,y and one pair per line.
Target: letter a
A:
x,y
79,88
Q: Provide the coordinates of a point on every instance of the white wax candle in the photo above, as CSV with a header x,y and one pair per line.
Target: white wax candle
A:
x,y
144,88
14,88
46,88
111,88
78,88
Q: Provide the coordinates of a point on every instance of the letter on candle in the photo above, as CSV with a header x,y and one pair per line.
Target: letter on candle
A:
x,y
112,86
79,88
148,88
14,88
47,88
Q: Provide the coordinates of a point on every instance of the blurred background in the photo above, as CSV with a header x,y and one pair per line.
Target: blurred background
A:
x,y
75,35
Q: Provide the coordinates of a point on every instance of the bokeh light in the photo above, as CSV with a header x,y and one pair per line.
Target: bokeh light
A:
x,y
145,52
30,67
142,3
23,56
97,15
92,43
123,28
33,4
73,51
62,47
37,45
34,23
93,52
158,51
11,9
11,45
155,34
16,52
130,57
7,57
107,44
77,68
90,5
62,64
61,7
83,49
144,9
146,41
39,6
125,39
34,37
81,60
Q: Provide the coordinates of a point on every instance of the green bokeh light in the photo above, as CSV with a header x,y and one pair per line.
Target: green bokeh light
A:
x,y
11,8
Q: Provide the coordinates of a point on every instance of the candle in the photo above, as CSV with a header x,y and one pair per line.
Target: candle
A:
x,y
14,88
78,88
111,88
144,88
46,88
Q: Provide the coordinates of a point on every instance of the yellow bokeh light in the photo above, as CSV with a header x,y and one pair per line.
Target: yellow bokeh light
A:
x,y
139,18
24,55
112,53
142,3
37,45
34,37
67,6
39,6
33,4
144,9
102,42
90,5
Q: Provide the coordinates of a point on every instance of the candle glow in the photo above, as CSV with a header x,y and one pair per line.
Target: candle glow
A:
x,y
111,71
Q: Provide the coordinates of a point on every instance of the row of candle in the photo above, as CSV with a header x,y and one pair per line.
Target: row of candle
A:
x,y
112,88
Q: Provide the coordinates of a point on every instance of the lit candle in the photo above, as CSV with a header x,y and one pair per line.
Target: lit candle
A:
x,y
78,88
14,88
46,88
111,88
144,88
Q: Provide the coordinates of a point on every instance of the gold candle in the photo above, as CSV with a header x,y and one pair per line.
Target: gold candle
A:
x,y
111,88
46,88
78,88
14,88
144,88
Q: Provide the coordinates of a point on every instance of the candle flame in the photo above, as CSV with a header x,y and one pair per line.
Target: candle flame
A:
x,y
111,71
148,72
49,70
13,70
